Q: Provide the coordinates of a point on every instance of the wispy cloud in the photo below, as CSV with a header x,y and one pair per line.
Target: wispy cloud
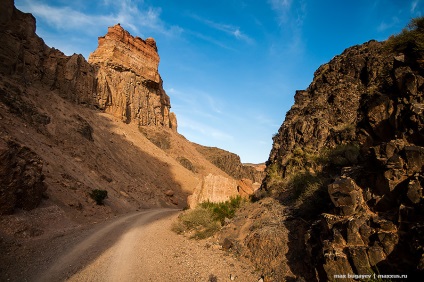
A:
x,y
205,130
288,12
414,6
209,39
387,25
197,102
126,12
265,120
415,11
282,7
290,16
228,29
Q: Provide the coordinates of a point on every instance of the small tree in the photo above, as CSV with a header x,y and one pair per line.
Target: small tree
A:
x,y
98,196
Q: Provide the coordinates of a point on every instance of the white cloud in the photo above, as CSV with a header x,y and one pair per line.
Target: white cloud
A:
x,y
282,8
125,12
288,12
387,25
202,130
262,119
290,16
280,4
226,28
196,102
415,11
414,6
209,39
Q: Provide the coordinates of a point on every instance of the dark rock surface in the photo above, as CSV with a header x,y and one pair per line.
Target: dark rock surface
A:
x,y
230,163
372,100
21,177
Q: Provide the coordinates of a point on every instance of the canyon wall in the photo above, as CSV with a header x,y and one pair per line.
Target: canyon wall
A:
x,y
348,164
120,78
231,164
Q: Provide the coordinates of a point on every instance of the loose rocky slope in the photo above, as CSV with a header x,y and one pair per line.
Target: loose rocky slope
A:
x,y
347,170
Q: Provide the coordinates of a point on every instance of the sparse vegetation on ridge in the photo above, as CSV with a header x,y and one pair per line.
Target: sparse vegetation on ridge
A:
x,y
410,41
307,175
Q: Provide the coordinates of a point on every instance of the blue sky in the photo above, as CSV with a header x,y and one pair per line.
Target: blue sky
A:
x,y
230,67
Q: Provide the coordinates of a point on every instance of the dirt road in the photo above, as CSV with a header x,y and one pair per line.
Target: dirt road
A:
x,y
134,247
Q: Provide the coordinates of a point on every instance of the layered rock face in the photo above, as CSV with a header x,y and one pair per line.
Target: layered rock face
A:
x,y
122,77
213,188
25,56
128,83
359,127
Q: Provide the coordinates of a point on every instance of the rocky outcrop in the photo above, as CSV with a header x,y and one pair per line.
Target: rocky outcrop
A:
x,y
25,57
213,188
231,164
128,83
122,77
325,114
21,177
357,135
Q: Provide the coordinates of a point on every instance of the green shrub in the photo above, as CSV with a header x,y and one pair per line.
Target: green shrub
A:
x,y
274,173
223,210
207,218
98,196
199,220
302,159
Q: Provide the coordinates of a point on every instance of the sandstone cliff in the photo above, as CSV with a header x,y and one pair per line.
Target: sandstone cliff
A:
x,y
25,57
122,77
128,83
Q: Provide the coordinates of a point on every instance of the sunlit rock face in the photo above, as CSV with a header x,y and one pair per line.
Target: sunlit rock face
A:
x,y
121,76
128,82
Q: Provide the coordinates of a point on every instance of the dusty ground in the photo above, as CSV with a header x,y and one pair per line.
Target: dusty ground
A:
x,y
138,246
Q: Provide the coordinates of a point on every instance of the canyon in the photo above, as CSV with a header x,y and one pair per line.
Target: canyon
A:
x,y
69,127
341,192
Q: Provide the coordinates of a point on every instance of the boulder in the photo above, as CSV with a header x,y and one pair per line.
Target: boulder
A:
x,y
346,196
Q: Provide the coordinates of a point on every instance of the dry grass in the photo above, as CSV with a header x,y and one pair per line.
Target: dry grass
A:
x,y
198,222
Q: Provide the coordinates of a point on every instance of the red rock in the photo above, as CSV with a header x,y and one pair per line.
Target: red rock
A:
x,y
128,82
